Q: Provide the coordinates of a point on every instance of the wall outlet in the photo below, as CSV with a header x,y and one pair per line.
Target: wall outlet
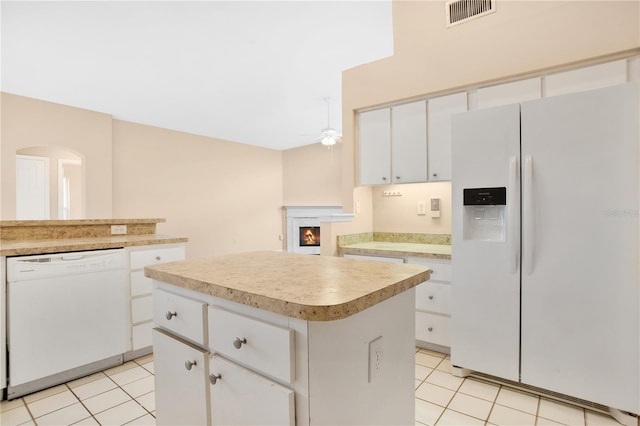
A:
x,y
422,208
394,193
118,229
376,358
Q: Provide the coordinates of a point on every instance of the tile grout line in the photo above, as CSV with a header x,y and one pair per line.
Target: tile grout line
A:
x,y
84,406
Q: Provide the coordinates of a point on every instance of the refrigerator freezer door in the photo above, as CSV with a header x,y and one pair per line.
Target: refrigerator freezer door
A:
x,y
580,323
485,315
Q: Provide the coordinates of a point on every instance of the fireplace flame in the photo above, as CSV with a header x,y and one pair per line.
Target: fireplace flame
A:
x,y
310,236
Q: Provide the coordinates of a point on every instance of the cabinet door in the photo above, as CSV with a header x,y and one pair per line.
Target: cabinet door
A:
x,y
182,389
242,397
509,93
588,78
439,133
409,142
374,147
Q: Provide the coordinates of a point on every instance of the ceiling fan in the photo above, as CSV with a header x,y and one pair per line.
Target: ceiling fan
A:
x,y
328,136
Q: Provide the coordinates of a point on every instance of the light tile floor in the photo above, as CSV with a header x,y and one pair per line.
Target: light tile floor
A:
x,y
125,395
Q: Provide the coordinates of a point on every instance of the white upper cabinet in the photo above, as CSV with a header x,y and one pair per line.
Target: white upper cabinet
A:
x,y
594,77
412,142
392,144
509,93
409,142
374,147
439,137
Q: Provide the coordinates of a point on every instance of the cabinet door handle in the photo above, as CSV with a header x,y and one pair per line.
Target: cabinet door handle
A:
x,y
158,258
384,178
213,378
170,315
397,177
430,297
431,271
430,328
189,364
435,174
238,342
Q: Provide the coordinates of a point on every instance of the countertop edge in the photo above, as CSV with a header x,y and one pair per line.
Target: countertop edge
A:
x,y
286,308
391,253
74,222
58,246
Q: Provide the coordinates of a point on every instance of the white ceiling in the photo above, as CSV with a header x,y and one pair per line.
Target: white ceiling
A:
x,y
252,72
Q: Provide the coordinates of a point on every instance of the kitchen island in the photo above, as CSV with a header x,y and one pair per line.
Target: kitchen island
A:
x,y
280,338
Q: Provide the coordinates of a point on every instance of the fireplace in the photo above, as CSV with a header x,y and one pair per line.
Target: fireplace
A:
x,y
309,236
303,227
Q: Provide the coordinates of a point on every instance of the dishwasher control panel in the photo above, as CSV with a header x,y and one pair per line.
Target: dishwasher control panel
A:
x,y
59,264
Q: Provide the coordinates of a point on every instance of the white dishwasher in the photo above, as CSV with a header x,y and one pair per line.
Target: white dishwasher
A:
x,y
67,317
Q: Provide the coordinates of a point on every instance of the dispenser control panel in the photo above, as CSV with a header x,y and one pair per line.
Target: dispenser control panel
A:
x,y
485,196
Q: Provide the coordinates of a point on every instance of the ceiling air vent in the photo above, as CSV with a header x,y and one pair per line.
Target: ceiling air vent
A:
x,y
459,11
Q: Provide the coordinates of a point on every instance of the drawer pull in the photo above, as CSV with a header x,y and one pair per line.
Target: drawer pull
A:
x,y
430,328
170,315
431,297
431,271
189,364
158,258
213,378
238,342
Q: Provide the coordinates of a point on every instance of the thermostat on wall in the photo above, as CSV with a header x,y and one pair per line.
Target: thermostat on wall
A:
x,y
435,207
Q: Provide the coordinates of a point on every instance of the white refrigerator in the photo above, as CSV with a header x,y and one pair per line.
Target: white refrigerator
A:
x,y
545,275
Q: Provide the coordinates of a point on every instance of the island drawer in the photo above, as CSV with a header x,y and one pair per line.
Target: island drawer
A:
x,y
140,259
256,344
433,328
433,297
181,315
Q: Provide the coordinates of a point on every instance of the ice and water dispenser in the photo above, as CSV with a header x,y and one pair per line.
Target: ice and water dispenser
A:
x,y
484,214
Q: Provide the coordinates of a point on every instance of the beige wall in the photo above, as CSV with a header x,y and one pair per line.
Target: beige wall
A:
x,y
30,122
521,37
225,197
312,176
399,213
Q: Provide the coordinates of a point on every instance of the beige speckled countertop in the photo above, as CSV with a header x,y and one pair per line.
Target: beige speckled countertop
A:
x,y
383,248
72,222
16,248
314,288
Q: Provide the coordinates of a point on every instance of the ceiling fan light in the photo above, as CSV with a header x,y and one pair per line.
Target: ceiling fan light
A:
x,y
328,141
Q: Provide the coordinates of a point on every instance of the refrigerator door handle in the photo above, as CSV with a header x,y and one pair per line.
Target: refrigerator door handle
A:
x,y
513,240
528,215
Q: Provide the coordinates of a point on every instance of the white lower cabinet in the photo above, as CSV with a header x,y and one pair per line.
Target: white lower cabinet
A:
x,y
433,301
433,329
264,347
216,365
140,290
238,396
242,365
181,381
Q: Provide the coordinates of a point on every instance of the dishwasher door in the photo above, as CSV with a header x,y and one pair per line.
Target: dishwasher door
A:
x,y
64,311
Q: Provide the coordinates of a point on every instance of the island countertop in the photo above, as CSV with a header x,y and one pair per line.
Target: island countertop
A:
x,y
314,288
